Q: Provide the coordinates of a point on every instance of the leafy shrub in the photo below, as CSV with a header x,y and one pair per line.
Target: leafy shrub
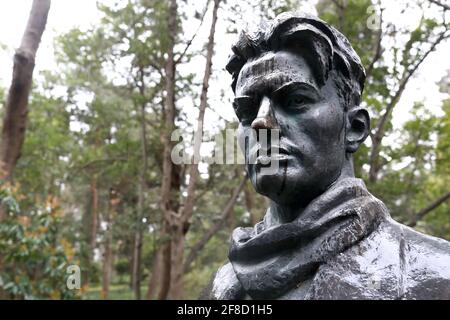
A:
x,y
33,257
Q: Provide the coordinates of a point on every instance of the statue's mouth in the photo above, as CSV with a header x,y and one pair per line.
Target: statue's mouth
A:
x,y
265,157
267,161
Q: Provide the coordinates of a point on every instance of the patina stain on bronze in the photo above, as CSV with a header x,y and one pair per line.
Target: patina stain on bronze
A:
x,y
324,235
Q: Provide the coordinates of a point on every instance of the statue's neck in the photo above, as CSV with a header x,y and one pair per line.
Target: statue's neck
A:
x,y
279,213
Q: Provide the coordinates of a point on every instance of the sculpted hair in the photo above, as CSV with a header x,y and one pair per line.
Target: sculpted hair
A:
x,y
325,48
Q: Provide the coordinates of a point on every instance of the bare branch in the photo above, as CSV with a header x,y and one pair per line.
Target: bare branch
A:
x,y
98,161
193,174
407,75
215,228
177,60
379,130
422,213
341,8
443,5
378,49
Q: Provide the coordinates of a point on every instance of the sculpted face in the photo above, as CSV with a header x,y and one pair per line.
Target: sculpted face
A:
x,y
279,91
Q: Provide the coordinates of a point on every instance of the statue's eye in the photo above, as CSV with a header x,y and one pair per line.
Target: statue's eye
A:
x,y
296,101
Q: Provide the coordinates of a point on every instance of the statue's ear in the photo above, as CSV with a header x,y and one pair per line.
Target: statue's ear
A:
x,y
358,126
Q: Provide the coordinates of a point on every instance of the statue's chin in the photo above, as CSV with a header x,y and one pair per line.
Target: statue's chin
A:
x,y
271,185
290,190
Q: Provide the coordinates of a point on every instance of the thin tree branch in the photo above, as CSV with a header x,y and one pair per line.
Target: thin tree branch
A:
x,y
178,59
379,131
422,213
206,189
378,49
215,228
408,74
193,173
443,5
411,176
96,161
341,8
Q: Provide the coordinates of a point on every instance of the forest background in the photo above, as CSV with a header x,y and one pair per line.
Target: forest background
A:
x,y
87,113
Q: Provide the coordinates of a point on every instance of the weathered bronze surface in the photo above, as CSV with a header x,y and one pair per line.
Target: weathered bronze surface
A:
x,y
324,236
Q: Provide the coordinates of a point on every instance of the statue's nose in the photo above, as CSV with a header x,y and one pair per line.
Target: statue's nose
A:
x,y
265,118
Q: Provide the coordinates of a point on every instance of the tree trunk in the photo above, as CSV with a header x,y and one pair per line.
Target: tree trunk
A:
x,y
108,252
165,275
94,212
167,177
16,107
86,255
141,196
160,278
136,276
90,227
154,281
131,257
180,221
176,260
106,276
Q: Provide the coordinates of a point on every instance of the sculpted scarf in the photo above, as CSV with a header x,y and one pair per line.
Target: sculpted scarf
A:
x,y
269,260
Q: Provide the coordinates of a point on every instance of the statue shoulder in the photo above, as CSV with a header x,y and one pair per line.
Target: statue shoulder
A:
x,y
427,265
393,262
223,285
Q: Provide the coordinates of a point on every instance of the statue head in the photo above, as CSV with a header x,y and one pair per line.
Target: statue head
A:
x,y
299,76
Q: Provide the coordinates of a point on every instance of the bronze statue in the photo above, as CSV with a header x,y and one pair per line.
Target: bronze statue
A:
x,y
324,235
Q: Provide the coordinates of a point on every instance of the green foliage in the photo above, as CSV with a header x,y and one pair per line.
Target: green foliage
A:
x,y
48,141
34,255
